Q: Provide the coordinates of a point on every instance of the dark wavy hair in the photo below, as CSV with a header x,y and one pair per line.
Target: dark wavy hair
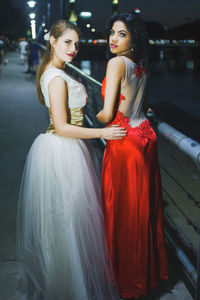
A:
x,y
139,36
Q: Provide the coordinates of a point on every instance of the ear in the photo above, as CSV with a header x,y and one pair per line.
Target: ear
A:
x,y
52,40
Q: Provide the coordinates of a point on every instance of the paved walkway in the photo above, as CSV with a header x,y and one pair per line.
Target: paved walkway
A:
x,y
22,119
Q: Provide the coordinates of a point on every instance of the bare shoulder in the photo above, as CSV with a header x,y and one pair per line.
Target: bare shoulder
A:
x,y
58,82
116,64
116,61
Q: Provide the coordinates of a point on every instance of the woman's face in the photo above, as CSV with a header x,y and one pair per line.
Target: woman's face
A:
x,y
66,46
120,38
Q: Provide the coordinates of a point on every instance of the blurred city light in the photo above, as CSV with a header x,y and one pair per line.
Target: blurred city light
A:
x,y
173,42
45,30
137,10
32,16
86,66
31,3
93,30
88,25
33,29
46,36
72,13
85,14
43,24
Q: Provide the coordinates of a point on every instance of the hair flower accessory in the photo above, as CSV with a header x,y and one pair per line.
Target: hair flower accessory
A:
x,y
47,36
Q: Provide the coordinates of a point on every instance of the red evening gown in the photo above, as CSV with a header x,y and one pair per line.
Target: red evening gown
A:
x,y
132,196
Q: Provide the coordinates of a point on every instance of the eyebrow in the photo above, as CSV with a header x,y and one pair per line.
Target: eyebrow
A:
x,y
122,30
72,41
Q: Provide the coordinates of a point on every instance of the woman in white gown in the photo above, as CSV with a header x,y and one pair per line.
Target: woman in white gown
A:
x,y
61,245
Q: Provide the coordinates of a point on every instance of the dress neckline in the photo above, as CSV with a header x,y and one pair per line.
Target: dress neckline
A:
x,y
52,67
128,59
65,73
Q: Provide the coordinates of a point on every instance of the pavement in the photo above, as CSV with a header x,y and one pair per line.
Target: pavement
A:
x,y
22,118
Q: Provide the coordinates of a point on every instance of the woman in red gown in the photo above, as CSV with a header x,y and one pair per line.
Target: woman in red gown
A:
x,y
131,186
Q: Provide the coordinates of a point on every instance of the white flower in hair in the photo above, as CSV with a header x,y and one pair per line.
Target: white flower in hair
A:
x,y
47,36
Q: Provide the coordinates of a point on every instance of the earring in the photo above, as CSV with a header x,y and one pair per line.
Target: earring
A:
x,y
132,49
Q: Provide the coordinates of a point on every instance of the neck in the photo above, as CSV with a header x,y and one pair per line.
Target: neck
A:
x,y
57,63
127,53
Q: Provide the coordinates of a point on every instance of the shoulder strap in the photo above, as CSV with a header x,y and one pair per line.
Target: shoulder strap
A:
x,y
50,74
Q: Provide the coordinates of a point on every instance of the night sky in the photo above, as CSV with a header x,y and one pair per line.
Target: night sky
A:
x,y
167,12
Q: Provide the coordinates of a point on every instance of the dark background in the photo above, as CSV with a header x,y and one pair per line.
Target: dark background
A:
x,y
180,18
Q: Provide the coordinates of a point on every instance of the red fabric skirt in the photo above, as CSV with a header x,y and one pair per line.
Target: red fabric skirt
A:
x,y
132,203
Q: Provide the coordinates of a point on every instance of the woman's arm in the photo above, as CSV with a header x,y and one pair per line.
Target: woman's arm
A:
x,y
58,98
115,74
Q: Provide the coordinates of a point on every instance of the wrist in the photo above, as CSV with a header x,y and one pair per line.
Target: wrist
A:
x,y
101,133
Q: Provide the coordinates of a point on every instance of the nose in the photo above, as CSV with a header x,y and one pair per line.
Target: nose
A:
x,y
73,48
114,37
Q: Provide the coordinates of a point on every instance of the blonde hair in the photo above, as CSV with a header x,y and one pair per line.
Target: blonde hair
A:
x,y
56,31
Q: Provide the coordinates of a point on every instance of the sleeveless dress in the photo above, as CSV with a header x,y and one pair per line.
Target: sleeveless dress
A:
x,y
131,191
61,244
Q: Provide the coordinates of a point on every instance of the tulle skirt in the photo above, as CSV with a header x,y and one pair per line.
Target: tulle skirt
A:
x,y
61,245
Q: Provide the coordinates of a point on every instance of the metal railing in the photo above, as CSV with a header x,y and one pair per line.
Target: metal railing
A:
x,y
186,249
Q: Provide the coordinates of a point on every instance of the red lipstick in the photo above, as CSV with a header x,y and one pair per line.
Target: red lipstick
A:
x,y
71,54
113,46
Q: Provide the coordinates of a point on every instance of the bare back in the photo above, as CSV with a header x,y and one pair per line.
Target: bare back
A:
x,y
132,90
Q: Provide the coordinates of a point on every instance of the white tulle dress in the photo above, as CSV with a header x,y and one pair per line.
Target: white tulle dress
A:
x,y
61,245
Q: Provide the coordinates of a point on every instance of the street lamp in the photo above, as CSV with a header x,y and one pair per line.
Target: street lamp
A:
x,y
84,22
115,7
31,3
33,29
32,16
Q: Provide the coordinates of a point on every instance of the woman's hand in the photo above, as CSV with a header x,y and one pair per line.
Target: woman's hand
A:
x,y
114,132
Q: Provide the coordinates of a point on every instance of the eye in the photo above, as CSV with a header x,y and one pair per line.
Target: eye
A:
x,y
122,34
68,42
111,32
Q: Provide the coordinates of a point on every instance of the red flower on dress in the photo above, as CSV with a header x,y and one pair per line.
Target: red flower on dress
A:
x,y
139,71
121,98
145,130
